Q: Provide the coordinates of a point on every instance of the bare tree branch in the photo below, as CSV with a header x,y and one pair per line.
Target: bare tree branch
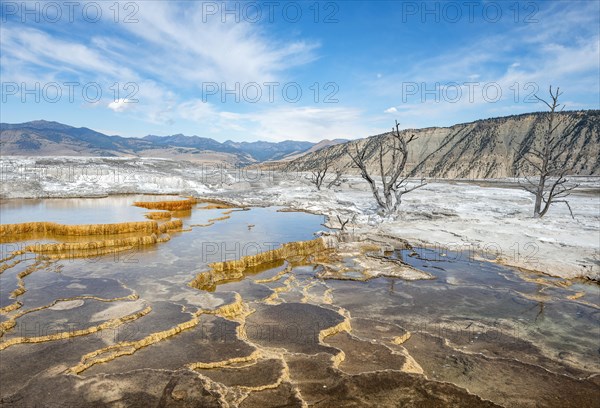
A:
x,y
389,195
337,180
342,223
546,161
319,175
359,160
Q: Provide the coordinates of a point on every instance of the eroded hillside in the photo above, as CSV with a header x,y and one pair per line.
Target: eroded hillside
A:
x,y
488,148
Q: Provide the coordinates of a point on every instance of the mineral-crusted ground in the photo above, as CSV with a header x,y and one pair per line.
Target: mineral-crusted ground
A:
x,y
248,308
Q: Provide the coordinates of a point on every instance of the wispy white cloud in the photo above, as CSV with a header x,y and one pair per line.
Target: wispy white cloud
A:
x,y
312,124
170,52
119,105
186,48
38,49
153,70
562,49
279,123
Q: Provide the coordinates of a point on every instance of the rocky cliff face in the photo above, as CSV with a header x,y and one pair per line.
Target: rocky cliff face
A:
x,y
490,148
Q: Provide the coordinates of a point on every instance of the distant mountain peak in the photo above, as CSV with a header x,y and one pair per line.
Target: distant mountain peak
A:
x,y
42,137
42,124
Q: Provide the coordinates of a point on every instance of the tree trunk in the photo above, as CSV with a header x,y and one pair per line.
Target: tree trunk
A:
x,y
538,197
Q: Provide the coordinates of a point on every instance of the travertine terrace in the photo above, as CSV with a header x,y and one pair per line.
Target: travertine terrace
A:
x,y
292,322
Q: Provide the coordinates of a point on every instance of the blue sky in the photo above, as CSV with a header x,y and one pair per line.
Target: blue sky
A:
x,y
233,70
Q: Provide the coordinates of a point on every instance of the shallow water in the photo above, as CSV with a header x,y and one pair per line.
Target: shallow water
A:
x,y
107,210
280,334
473,298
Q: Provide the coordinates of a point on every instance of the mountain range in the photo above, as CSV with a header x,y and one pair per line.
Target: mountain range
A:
x,y
487,148
44,138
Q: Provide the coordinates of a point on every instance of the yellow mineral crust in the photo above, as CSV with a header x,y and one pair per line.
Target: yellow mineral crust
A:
x,y
92,247
232,310
6,326
401,339
203,225
158,215
9,324
214,204
11,257
175,205
252,357
8,309
576,296
106,354
274,299
288,250
109,353
110,324
168,226
237,311
411,365
338,359
284,376
338,328
221,271
305,292
275,278
21,283
326,298
214,207
54,229
8,265
212,220
70,247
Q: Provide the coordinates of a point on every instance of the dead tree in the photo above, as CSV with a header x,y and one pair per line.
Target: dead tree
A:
x,y
393,187
343,223
550,187
337,180
320,174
